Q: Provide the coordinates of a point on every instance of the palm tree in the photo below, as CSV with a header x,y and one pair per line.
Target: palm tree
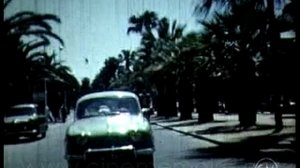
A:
x,y
127,59
162,68
192,67
176,64
273,39
143,23
282,66
85,86
238,37
156,58
104,79
28,63
62,86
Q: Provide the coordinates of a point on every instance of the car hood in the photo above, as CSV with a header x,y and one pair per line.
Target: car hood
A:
x,y
104,125
17,119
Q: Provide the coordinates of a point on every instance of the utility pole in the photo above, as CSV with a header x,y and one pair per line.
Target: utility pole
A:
x,y
63,110
45,90
46,97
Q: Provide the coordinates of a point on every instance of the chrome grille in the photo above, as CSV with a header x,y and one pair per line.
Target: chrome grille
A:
x,y
107,142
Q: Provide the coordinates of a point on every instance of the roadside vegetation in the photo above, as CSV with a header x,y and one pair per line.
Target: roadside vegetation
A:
x,y
238,62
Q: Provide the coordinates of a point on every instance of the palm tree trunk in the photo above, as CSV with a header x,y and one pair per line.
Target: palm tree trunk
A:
x,y
247,101
206,101
276,108
159,100
185,99
247,107
274,37
170,99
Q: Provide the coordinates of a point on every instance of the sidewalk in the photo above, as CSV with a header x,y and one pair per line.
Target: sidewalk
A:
x,y
224,131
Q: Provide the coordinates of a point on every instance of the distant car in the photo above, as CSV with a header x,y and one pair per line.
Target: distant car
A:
x,y
109,126
24,120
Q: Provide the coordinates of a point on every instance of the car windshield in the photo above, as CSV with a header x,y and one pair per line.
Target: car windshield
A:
x,y
21,111
107,106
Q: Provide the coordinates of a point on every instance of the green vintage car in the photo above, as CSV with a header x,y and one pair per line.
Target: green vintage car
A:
x,y
24,120
109,127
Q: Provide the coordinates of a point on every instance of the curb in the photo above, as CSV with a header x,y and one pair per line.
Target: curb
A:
x,y
189,134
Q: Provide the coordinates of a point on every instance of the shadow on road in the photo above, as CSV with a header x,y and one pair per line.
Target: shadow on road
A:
x,y
233,129
21,140
251,149
289,116
191,123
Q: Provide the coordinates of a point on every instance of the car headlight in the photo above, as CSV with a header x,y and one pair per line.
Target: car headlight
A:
x,y
75,144
81,140
135,136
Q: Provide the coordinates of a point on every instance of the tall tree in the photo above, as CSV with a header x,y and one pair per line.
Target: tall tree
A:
x,y
85,86
239,37
30,68
24,55
127,59
163,68
143,23
107,74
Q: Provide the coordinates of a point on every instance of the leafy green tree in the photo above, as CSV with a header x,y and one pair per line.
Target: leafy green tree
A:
x,y
22,57
238,37
144,25
107,74
164,65
26,35
160,65
127,59
272,41
282,66
85,87
191,63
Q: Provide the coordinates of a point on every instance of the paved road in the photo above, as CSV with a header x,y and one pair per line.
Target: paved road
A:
x,y
172,150
40,153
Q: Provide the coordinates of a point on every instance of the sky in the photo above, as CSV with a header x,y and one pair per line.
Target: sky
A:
x,y
94,30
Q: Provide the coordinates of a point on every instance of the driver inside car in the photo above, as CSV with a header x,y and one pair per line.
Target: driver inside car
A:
x,y
104,109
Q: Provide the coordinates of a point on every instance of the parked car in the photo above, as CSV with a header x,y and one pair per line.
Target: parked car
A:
x,y
25,120
109,127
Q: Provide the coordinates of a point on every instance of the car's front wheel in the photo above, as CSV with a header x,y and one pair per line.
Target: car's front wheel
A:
x,y
43,134
83,164
74,164
145,161
71,164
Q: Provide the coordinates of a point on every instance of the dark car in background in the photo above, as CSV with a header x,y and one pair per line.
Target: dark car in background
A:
x,y
109,128
24,120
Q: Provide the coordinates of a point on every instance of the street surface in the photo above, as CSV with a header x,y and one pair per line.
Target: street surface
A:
x,y
172,150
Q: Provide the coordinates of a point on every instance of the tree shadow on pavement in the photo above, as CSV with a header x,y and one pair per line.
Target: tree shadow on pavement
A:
x,y
251,149
192,123
175,119
289,117
233,129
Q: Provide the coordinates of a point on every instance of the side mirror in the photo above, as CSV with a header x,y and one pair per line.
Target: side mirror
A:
x,y
147,113
145,110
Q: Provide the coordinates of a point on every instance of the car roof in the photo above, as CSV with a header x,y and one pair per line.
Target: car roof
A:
x,y
105,94
29,105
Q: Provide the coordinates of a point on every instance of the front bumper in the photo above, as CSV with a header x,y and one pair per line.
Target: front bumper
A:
x,y
25,130
30,132
123,152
